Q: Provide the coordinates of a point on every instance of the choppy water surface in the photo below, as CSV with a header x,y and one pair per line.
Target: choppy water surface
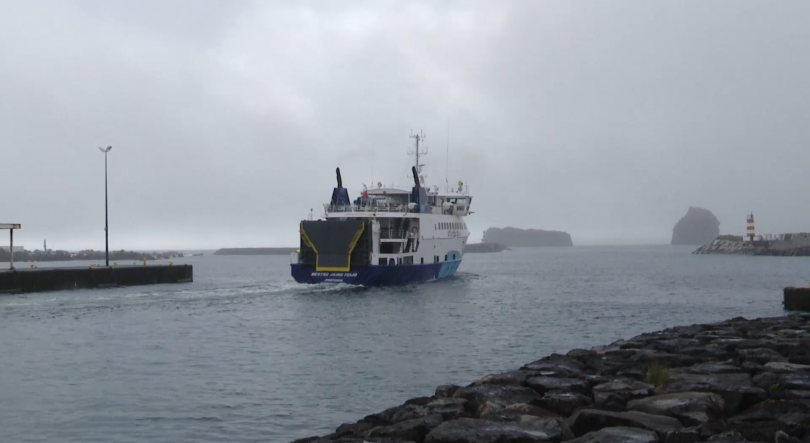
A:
x,y
244,354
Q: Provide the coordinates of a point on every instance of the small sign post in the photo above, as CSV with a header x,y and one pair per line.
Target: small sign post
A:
x,y
11,227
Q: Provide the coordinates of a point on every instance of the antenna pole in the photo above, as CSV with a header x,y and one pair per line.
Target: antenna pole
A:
x,y
447,160
420,137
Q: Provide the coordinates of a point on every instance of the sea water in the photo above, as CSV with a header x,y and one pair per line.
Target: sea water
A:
x,y
245,354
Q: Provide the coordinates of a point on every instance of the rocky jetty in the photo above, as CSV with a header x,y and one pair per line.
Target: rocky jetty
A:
x,y
476,248
783,245
735,381
699,226
514,237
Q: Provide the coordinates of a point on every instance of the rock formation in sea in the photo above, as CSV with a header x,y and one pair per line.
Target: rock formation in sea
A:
x,y
735,381
698,227
514,237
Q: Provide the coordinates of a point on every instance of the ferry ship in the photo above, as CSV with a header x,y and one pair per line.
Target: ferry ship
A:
x,y
386,236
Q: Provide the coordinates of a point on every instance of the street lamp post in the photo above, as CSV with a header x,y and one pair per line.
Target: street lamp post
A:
x,y
106,217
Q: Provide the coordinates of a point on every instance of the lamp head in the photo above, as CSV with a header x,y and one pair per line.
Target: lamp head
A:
x,y
107,149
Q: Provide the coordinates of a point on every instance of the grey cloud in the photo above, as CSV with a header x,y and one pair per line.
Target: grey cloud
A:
x,y
606,120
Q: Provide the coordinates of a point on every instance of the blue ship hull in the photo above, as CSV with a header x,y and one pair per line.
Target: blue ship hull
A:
x,y
378,275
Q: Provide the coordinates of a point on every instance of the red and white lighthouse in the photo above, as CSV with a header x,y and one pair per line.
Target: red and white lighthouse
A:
x,y
749,229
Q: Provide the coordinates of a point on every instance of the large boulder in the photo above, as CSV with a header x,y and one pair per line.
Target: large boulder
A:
x,y
615,395
563,403
691,408
698,227
735,389
589,420
547,384
760,355
415,409
466,430
785,411
618,435
484,400
329,439
413,430
797,381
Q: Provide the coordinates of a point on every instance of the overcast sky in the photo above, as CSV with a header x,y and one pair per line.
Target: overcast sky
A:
x,y
227,118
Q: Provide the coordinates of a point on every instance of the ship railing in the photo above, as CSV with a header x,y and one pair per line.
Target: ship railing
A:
x,y
392,233
364,208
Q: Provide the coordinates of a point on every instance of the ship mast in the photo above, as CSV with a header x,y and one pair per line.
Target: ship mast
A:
x,y
417,152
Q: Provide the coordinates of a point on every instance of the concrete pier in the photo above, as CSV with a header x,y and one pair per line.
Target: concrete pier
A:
x,y
782,245
56,279
797,299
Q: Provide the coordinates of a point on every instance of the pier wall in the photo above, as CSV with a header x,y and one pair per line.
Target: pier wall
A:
x,y
56,279
796,244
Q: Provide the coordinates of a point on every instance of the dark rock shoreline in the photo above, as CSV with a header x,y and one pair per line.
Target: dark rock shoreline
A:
x,y
734,381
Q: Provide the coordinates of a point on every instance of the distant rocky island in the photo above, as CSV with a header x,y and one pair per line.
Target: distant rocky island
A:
x,y
514,237
477,248
255,251
699,226
89,254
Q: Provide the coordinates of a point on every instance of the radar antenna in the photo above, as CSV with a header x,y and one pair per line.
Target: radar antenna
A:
x,y
417,152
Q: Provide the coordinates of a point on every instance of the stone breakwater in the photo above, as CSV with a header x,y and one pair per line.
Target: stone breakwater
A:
x,y
735,381
783,245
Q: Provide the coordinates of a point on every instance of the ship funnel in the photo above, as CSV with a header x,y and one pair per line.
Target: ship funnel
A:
x,y
340,195
418,201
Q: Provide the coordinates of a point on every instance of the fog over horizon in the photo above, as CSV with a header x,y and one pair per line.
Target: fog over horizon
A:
x,y
606,120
